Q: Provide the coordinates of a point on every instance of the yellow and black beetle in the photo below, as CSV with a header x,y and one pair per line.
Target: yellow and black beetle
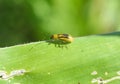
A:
x,y
65,38
61,39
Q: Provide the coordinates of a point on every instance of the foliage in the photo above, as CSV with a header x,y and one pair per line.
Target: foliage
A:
x,y
47,64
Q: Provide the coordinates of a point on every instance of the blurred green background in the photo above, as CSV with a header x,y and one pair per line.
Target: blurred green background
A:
x,y
24,21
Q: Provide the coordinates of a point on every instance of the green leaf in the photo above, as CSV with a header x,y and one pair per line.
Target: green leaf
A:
x,y
76,64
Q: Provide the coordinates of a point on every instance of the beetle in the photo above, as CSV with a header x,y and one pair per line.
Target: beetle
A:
x,y
61,39
65,38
